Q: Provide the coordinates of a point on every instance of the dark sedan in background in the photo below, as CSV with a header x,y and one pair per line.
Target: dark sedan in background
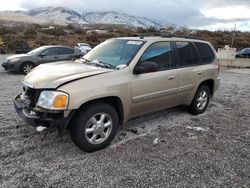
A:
x,y
25,62
244,53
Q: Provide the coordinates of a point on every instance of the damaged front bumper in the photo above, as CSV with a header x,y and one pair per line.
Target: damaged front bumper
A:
x,y
36,118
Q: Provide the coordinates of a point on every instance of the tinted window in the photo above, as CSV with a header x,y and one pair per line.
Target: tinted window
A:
x,y
50,52
184,52
246,50
159,53
65,51
206,53
194,53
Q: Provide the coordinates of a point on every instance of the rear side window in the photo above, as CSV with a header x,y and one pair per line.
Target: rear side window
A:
x,y
205,51
184,53
159,53
65,51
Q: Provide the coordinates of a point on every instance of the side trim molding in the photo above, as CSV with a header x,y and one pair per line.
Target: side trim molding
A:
x,y
185,88
163,93
154,95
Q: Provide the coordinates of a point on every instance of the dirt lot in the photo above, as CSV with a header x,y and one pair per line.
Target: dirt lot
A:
x,y
209,150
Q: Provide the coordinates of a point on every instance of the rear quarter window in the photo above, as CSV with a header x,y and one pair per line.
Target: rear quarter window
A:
x,y
205,52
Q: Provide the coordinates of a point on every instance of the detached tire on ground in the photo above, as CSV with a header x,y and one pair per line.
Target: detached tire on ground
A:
x,y
200,100
26,67
94,127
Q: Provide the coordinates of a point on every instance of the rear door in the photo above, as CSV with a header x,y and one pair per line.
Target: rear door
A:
x,y
192,68
155,90
65,53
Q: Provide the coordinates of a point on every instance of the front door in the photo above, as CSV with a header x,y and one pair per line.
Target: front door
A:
x,y
155,90
49,55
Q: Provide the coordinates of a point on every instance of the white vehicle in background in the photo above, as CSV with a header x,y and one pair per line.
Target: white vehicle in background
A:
x,y
83,47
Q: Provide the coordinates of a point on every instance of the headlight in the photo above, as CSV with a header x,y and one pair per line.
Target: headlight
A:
x,y
53,100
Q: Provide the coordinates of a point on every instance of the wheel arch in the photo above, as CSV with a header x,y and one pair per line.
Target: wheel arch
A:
x,y
21,65
210,84
114,101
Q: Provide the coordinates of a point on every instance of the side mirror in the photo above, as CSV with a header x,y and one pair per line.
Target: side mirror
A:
x,y
145,67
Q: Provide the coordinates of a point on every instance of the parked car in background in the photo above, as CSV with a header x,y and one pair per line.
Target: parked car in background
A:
x,y
83,47
22,49
118,80
45,54
244,53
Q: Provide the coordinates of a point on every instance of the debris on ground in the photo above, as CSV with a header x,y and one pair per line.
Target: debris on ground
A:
x,y
197,128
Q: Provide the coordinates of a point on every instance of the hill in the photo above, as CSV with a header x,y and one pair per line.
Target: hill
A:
x,y
65,16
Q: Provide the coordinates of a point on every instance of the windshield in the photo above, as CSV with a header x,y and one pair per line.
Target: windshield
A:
x,y
37,50
114,52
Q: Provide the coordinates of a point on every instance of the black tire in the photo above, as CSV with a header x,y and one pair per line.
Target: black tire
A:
x,y
26,67
82,121
193,108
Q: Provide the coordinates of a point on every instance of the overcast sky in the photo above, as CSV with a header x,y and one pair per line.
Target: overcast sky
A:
x,y
208,14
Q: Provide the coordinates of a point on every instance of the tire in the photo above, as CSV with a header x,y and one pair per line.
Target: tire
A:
x,y
26,67
200,101
89,132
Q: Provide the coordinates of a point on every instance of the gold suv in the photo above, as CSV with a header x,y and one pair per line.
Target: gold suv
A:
x,y
119,79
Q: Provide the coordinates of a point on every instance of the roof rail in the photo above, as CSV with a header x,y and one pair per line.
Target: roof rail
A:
x,y
166,35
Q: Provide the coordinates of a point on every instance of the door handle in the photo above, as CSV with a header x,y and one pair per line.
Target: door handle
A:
x,y
55,57
171,77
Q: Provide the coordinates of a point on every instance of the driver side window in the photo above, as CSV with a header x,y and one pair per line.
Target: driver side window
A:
x,y
159,53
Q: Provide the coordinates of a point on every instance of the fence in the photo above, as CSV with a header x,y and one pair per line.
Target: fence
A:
x,y
237,63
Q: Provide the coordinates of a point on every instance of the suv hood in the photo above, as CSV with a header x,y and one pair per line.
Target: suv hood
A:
x,y
54,74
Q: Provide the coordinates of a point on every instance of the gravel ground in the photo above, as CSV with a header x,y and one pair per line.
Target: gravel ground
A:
x,y
166,149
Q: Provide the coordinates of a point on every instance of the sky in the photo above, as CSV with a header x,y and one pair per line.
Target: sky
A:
x,y
201,14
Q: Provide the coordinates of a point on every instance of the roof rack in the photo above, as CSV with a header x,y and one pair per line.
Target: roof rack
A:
x,y
165,35
179,36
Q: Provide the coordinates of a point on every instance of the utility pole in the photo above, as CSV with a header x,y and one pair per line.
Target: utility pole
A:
x,y
233,36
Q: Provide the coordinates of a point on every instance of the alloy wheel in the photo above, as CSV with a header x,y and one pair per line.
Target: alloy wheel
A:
x,y
98,128
202,100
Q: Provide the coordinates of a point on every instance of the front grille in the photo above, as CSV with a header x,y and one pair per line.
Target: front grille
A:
x,y
32,95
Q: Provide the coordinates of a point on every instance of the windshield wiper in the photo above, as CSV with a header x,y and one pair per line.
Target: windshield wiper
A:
x,y
99,64
108,65
84,60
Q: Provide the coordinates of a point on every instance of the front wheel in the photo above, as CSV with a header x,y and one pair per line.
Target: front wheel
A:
x,y
200,100
94,127
27,67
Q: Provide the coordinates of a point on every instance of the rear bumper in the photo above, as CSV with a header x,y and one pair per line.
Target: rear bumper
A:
x,y
216,84
46,119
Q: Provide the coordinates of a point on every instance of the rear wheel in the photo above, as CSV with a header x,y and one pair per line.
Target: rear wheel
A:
x,y
94,127
200,100
27,67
